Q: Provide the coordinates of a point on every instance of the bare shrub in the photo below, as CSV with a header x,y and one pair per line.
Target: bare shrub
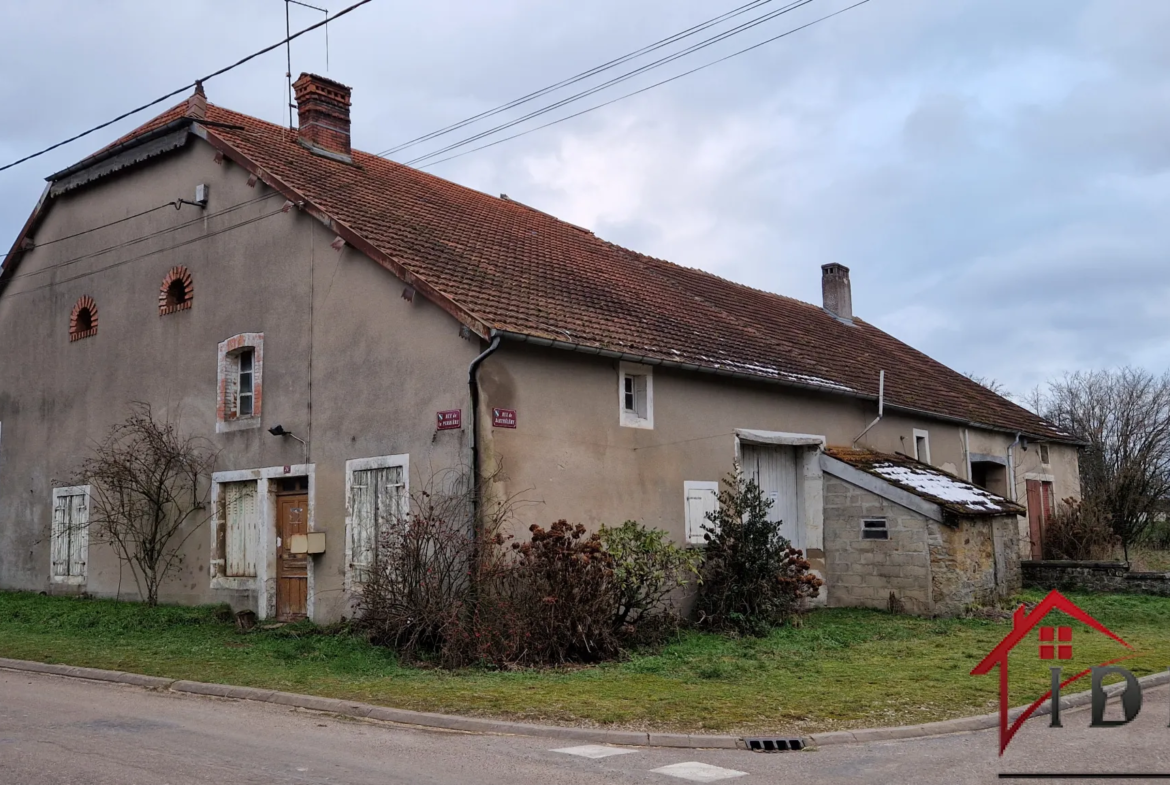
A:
x,y
1078,531
147,494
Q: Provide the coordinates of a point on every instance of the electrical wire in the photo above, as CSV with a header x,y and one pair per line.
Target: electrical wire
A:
x,y
148,254
88,231
185,87
579,77
137,240
644,89
618,79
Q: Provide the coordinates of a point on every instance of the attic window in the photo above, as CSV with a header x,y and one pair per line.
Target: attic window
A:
x,y
874,529
921,446
636,395
83,322
176,291
1044,454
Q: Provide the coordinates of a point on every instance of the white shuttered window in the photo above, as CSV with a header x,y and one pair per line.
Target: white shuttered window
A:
x,y
242,529
377,501
69,541
702,497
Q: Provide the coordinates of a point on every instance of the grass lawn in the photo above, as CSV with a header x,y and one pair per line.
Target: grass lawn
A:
x,y
842,668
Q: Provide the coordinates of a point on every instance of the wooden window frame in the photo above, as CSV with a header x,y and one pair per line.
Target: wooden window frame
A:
x,y
642,380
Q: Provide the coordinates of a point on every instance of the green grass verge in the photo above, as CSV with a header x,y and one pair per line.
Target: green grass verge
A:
x,y
843,668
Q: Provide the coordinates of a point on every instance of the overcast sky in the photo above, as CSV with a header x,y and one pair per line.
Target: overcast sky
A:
x,y
992,171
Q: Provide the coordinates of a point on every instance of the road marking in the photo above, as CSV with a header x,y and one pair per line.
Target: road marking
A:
x,y
698,772
594,751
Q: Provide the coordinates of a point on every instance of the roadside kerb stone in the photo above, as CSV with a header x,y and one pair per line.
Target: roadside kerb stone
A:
x,y
595,735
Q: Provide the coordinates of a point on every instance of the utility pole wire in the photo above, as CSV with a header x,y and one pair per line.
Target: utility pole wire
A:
x,y
583,75
644,89
184,88
618,79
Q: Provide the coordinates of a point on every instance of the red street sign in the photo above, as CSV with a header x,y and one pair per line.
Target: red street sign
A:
x,y
503,418
450,420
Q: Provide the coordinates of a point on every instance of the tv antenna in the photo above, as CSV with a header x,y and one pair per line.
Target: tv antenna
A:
x,y
288,49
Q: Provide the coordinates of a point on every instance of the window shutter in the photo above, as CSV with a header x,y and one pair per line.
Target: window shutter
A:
x,y
243,529
701,498
640,403
59,540
377,503
78,534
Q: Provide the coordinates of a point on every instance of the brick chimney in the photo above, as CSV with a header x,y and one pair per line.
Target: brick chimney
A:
x,y
323,114
838,297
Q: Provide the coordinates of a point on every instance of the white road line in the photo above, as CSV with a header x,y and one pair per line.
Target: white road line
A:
x,y
594,751
698,772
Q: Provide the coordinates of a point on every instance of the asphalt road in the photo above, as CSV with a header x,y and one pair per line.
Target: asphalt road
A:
x,y
58,731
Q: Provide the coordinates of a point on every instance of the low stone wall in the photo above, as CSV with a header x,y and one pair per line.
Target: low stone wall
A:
x,y
1094,576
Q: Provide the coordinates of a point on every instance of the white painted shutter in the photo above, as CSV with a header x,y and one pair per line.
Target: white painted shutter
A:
x,y
78,534
377,501
59,538
701,498
641,405
242,538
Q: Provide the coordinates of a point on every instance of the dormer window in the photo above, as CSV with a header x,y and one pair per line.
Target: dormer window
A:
x,y
241,366
636,395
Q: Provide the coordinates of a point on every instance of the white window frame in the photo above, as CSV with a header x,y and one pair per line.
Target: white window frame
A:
x,y
228,382
633,418
885,528
925,436
83,540
363,464
693,530
1045,454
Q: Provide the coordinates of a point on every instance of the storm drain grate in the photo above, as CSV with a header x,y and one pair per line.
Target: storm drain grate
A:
x,y
774,745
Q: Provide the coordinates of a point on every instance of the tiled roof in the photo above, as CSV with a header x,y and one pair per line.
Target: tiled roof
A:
x,y
953,494
518,270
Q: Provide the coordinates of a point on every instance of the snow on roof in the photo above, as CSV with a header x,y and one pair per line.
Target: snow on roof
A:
x,y
942,486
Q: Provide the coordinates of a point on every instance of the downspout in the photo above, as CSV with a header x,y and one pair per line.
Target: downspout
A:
x,y
881,406
473,384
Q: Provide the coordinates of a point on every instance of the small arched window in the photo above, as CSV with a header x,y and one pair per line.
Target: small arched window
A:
x,y
176,292
83,322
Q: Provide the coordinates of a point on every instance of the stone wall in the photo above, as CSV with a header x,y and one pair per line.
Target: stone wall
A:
x,y
1094,576
932,568
863,572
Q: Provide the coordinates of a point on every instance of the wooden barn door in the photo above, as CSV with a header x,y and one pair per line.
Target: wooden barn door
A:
x,y
773,468
1036,518
292,570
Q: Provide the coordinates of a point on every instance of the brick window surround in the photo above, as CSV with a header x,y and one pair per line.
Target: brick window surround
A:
x,y
176,292
227,418
83,322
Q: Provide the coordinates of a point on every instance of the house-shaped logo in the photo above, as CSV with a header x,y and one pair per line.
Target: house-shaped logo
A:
x,y
1056,644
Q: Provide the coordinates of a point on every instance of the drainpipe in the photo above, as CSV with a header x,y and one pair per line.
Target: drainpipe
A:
x,y
881,406
473,384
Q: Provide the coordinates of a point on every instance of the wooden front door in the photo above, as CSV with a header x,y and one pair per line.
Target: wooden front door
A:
x,y
1036,518
292,570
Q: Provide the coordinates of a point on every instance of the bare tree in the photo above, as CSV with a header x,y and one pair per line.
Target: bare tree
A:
x,y
1124,416
147,495
995,385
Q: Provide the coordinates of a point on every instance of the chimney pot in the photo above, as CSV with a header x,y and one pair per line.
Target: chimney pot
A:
x,y
835,289
323,115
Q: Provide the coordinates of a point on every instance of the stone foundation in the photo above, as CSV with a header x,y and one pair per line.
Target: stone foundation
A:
x,y
1094,576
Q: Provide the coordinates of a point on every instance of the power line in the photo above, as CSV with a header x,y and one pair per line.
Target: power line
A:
x,y
583,75
616,80
644,89
184,88
143,238
201,238
88,231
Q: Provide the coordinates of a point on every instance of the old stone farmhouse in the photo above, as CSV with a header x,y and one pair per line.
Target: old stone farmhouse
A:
x,y
240,276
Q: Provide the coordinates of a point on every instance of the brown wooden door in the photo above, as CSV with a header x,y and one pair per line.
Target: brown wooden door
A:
x,y
1036,518
292,570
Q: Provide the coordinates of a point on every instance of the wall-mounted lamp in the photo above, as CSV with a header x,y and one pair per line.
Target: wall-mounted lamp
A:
x,y
278,430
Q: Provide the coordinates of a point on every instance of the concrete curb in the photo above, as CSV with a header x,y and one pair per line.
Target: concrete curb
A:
x,y
423,719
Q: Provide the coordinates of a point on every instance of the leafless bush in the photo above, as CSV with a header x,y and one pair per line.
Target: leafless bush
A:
x,y
147,495
1078,531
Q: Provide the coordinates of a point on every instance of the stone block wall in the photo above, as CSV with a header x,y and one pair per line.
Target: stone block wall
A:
x,y
1094,576
863,572
973,561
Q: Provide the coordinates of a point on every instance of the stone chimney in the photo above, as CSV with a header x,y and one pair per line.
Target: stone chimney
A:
x,y
838,297
323,115
197,103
